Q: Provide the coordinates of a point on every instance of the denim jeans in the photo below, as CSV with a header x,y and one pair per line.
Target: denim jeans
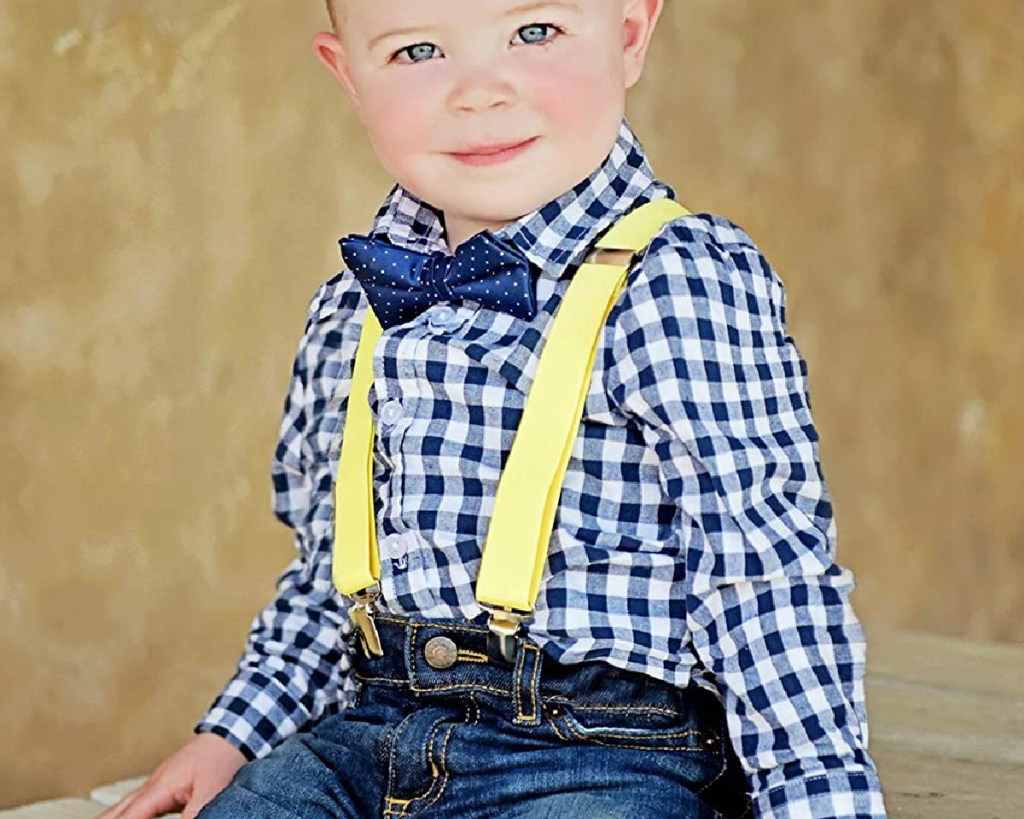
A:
x,y
439,729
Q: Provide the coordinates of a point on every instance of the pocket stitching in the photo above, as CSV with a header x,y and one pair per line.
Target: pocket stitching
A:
x,y
578,732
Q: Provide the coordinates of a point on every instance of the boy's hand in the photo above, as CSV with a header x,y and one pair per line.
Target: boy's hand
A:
x,y
185,781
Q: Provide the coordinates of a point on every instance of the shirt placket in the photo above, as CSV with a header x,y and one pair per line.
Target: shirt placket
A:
x,y
399,426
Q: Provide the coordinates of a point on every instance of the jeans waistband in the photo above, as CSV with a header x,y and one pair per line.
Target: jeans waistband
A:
x,y
450,658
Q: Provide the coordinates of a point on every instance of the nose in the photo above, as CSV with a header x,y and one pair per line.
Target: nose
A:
x,y
480,88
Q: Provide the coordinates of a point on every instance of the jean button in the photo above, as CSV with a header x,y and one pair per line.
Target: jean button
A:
x,y
390,413
441,652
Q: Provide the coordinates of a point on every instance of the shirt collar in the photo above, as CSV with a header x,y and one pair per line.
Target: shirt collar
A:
x,y
556,236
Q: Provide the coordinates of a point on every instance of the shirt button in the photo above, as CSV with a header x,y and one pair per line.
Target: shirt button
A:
x,y
442,317
390,413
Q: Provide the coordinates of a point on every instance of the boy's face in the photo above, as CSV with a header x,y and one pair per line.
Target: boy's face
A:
x,y
439,84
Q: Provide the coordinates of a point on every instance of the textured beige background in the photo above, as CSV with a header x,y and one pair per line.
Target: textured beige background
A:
x,y
173,178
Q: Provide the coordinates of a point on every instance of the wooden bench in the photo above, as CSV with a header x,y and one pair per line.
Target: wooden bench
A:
x,y
947,732
97,802
947,726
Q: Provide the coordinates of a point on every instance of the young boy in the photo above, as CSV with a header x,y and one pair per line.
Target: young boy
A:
x,y
692,625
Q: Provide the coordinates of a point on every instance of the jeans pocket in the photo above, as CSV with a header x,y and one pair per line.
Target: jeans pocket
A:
x,y
631,728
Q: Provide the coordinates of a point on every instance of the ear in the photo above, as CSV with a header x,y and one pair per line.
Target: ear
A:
x,y
641,16
330,51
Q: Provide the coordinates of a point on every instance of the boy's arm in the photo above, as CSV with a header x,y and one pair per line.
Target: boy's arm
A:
x,y
703,362
296,666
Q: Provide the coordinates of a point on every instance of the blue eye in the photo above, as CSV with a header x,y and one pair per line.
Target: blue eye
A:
x,y
419,53
536,33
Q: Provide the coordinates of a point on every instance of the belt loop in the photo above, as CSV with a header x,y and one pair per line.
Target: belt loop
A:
x,y
526,685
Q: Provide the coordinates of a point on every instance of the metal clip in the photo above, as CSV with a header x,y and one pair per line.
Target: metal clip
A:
x,y
611,256
361,613
504,626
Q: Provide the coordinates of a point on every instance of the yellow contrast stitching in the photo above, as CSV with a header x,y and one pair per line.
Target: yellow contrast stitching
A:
x,y
438,783
671,712
534,687
380,679
443,782
474,686
560,734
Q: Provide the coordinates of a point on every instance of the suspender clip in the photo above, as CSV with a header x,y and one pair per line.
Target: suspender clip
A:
x,y
504,626
361,613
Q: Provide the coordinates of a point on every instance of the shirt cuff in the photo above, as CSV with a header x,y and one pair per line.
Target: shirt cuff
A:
x,y
850,794
255,713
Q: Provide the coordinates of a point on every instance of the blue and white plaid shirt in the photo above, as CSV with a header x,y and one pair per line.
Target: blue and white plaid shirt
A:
x,y
694,536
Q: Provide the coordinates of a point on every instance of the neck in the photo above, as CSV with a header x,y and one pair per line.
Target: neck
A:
x,y
459,229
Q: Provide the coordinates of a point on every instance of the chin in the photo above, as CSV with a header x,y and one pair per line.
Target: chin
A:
x,y
503,203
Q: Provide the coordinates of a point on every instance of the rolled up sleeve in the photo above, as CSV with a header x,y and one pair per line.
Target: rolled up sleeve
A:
x,y
718,388
295,666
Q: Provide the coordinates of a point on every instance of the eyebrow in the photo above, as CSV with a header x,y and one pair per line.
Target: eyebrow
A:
x,y
522,8
540,4
398,32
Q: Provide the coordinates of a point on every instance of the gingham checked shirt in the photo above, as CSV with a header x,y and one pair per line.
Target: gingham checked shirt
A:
x,y
694,536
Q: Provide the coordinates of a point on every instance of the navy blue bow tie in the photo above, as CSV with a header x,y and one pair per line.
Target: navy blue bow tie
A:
x,y
401,284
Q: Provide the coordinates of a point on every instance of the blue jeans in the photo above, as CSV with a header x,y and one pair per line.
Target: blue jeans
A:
x,y
440,729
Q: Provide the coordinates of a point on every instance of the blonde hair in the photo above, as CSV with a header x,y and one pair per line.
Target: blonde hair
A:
x,y
332,12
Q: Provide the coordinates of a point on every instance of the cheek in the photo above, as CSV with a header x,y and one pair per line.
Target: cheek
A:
x,y
398,116
574,94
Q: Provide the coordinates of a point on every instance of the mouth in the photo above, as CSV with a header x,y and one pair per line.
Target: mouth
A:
x,y
493,154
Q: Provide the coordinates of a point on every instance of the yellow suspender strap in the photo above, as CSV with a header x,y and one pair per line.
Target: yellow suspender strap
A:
x,y
529,488
528,491
356,558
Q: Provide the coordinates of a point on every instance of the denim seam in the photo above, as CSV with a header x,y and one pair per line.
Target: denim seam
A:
x,y
597,741
517,684
721,771
471,656
403,807
393,744
689,732
561,736
521,716
397,680
414,631
427,760
535,681
641,709
407,807
459,686
443,782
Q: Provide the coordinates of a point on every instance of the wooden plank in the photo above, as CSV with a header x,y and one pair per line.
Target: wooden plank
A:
x,y
920,786
947,662
115,792
947,726
956,725
56,809
112,794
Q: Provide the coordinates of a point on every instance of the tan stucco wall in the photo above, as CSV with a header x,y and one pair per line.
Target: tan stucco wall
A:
x,y
173,177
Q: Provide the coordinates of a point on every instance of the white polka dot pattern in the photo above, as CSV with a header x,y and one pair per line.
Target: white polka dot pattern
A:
x,y
400,284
